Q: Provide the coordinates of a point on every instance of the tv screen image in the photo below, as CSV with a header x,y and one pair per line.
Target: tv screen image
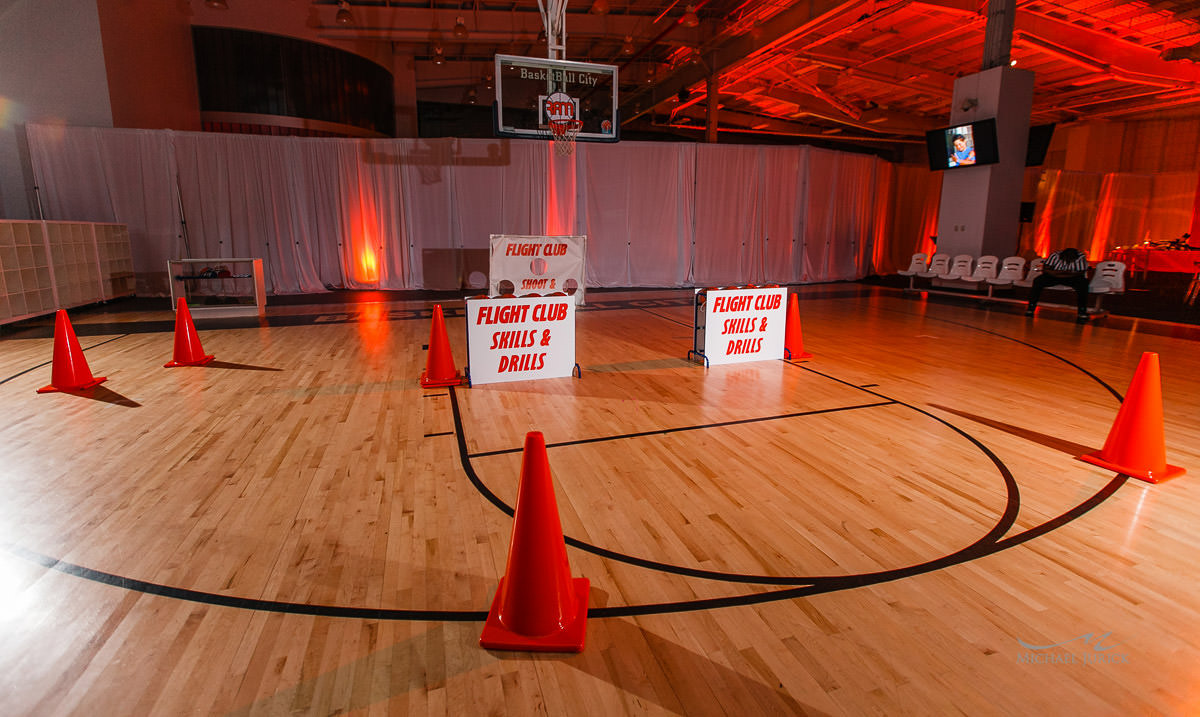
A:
x,y
960,146
965,145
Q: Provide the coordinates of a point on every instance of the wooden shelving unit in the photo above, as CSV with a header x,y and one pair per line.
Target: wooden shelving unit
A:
x,y
46,266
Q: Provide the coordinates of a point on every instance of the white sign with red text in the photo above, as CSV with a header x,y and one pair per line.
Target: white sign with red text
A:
x,y
538,264
744,324
520,339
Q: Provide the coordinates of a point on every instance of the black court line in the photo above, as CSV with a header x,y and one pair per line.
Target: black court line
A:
x,y
443,433
47,363
1003,524
1051,354
331,317
668,318
294,608
990,544
849,582
694,427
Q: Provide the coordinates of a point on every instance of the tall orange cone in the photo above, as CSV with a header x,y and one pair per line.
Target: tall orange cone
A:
x,y
1135,444
538,607
188,351
793,340
439,366
70,371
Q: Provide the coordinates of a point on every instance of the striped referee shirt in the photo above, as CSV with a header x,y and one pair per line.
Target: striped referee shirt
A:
x,y
1055,262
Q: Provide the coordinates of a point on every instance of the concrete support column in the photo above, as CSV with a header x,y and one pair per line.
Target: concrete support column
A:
x,y
997,36
981,205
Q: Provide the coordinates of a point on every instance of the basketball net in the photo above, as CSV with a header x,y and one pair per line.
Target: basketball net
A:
x,y
564,132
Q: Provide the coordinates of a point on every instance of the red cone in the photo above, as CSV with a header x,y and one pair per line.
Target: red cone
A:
x,y
793,340
188,351
70,371
538,607
1135,444
439,367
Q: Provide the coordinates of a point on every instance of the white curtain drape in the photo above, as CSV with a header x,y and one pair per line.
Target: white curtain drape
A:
x,y
111,175
417,213
1097,212
639,208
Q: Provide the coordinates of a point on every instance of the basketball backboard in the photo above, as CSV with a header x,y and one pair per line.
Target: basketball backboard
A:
x,y
532,91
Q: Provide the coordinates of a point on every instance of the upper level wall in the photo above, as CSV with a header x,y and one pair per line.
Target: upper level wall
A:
x,y
150,61
1147,146
51,71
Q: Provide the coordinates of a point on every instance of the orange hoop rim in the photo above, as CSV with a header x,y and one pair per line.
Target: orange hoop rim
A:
x,y
564,127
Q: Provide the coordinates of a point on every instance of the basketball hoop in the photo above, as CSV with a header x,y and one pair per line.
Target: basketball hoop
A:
x,y
564,132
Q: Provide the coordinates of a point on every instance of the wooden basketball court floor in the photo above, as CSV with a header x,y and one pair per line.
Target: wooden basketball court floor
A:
x,y
897,526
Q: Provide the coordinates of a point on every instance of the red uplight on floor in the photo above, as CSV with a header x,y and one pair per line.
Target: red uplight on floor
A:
x,y
367,265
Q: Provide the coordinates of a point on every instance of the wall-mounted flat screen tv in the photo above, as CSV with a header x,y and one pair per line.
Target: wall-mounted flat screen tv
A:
x,y
964,145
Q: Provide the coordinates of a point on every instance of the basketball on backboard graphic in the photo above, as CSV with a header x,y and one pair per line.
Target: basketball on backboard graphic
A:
x,y
560,107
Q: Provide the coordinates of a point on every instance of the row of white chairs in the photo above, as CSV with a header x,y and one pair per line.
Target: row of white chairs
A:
x,y
1108,278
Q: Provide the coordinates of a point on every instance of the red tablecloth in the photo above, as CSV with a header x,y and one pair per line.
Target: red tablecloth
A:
x,y
1179,260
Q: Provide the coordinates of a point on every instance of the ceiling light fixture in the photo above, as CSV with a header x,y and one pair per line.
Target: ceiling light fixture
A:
x,y
460,28
439,55
217,4
690,18
627,46
343,16
600,7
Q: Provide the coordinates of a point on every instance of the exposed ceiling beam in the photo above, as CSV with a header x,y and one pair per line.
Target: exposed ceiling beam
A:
x,y
1107,51
405,24
732,120
794,22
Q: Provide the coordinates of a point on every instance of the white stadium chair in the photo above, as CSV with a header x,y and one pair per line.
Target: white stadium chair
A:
x,y
1035,269
960,268
915,266
939,265
1012,269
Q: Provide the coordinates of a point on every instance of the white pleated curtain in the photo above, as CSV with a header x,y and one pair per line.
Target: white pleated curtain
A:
x,y
409,213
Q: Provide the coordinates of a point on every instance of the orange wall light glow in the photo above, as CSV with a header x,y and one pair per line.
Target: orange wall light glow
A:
x,y
367,266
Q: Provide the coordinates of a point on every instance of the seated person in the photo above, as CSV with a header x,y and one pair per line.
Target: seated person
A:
x,y
1068,267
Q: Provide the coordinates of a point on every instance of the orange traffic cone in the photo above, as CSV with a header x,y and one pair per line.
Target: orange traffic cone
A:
x,y
793,340
439,367
1135,444
188,351
70,371
538,607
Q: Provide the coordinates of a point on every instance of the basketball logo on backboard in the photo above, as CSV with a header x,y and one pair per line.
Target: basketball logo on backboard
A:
x,y
560,107
541,98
